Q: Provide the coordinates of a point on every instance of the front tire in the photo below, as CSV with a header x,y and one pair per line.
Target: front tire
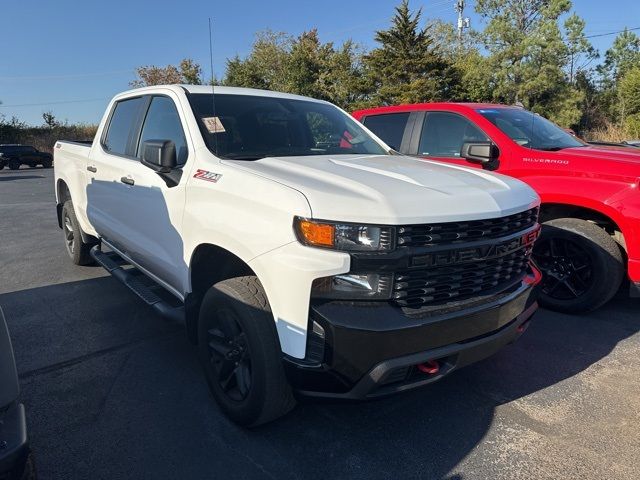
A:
x,y
77,249
582,265
47,164
239,349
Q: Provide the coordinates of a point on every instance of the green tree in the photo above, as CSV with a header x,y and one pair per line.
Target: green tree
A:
x,y
187,72
629,101
302,65
623,55
407,67
50,119
191,72
528,56
580,52
473,68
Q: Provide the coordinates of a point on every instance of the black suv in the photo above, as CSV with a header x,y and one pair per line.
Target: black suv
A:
x,y
16,155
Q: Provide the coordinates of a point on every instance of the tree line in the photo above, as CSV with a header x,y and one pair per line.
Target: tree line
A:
x,y
534,53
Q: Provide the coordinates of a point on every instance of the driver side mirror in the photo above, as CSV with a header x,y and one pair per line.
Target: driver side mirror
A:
x,y
159,155
480,152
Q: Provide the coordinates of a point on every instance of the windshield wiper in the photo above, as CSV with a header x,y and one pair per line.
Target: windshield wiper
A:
x,y
242,156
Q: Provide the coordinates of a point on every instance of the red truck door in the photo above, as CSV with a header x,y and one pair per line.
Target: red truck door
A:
x,y
441,136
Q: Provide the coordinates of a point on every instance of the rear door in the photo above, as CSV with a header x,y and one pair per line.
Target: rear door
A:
x,y
395,129
107,195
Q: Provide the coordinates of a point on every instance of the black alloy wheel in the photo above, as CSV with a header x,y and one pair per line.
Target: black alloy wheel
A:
x,y
69,235
566,266
582,265
230,356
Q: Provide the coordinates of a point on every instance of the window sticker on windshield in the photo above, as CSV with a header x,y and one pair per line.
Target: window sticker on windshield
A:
x,y
213,124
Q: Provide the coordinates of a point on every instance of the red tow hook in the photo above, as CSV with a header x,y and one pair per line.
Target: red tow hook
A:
x,y
536,276
430,367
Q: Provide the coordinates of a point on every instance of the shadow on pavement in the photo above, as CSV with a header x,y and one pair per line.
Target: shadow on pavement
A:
x,y
112,391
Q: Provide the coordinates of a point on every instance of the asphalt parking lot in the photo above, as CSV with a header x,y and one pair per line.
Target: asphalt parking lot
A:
x,y
114,391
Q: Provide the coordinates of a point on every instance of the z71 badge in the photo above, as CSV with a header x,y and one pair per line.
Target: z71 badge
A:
x,y
208,176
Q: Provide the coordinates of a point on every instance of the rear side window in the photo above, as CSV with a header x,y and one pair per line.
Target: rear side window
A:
x,y
389,127
444,133
122,122
163,123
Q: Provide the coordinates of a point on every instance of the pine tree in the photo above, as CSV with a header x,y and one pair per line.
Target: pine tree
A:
x,y
407,67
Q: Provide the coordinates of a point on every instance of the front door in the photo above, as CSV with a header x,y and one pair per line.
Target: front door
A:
x,y
134,207
442,137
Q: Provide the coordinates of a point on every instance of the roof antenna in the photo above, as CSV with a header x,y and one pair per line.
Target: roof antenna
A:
x,y
213,93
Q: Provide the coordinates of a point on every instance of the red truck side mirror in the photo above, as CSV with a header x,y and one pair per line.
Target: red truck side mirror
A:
x,y
485,153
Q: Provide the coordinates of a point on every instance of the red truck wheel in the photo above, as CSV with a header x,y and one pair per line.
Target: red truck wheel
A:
x,y
582,265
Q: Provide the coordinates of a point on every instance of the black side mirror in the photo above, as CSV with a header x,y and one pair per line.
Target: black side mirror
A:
x,y
159,155
480,152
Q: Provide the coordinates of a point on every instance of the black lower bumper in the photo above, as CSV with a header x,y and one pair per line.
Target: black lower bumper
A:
x,y
14,446
375,349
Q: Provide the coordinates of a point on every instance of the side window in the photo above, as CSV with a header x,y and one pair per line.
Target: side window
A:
x,y
444,133
163,123
389,127
122,122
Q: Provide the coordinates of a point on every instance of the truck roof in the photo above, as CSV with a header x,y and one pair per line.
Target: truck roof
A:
x,y
220,90
447,106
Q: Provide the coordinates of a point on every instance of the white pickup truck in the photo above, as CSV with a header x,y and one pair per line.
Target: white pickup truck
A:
x,y
304,255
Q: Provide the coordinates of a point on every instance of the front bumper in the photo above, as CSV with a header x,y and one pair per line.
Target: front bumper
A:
x,y
14,446
374,349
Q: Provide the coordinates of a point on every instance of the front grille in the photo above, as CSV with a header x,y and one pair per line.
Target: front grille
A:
x,y
455,283
462,232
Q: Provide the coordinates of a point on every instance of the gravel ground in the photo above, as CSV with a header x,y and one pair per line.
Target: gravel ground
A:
x,y
114,391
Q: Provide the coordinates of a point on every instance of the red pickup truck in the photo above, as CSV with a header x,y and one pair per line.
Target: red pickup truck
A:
x,y
590,200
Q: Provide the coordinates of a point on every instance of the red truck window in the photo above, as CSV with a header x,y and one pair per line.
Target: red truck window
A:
x,y
444,133
389,127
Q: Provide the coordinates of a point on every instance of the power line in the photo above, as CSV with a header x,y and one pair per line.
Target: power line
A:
x,y
54,103
72,75
612,33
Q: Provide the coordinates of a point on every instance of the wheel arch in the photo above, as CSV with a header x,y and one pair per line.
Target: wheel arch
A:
x,y
554,210
209,265
62,195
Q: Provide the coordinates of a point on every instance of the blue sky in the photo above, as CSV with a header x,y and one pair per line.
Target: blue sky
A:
x,y
71,56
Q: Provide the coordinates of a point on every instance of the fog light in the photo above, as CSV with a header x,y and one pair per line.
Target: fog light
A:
x,y
350,286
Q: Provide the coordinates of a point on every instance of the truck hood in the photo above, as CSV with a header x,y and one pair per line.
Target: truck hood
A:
x,y
394,189
619,154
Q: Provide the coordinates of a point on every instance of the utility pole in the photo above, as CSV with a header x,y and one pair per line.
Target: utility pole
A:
x,y
462,21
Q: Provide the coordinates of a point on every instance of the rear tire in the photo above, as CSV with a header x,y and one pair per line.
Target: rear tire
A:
x,y
239,349
2,164
14,164
77,249
582,265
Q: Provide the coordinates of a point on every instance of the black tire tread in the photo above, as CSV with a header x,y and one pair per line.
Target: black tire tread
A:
x,y
81,255
248,290
611,278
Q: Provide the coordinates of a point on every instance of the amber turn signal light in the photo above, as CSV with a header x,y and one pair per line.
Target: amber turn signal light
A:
x,y
317,234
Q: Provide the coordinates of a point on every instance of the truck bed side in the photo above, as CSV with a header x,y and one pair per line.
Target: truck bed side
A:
x,y
70,165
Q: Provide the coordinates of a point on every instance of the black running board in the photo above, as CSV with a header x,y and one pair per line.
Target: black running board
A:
x,y
137,283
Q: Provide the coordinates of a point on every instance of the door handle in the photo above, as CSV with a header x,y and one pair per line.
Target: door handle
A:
x,y
127,180
92,169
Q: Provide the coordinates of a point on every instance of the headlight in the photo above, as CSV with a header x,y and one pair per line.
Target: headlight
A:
x,y
349,237
349,286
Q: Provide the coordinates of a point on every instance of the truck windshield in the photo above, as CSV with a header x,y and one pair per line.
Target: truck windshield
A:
x,y
530,130
248,127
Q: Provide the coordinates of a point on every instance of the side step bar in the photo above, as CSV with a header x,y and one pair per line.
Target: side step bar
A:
x,y
135,280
